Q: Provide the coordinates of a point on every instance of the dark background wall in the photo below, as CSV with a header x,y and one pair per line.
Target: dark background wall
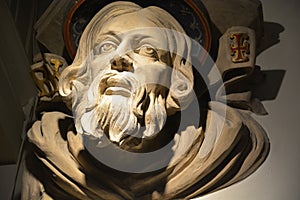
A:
x,y
16,85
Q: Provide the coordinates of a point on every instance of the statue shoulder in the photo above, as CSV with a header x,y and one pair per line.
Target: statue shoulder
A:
x,y
54,117
52,126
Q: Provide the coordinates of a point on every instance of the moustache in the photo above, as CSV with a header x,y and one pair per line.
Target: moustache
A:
x,y
126,83
111,82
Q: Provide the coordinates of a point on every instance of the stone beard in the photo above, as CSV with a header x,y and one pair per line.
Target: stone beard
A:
x,y
117,104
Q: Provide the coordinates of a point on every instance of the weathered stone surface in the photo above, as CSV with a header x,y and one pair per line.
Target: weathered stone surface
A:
x,y
227,13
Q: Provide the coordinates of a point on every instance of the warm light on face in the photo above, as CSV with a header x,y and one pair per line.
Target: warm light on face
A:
x,y
124,41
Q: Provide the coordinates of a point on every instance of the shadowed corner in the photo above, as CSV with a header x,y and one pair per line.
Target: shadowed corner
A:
x,y
272,79
270,36
270,86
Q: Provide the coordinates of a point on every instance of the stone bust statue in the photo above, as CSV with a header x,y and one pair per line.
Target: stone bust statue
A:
x,y
131,87
123,72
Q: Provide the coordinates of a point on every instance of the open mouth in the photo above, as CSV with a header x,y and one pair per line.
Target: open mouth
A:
x,y
115,85
117,91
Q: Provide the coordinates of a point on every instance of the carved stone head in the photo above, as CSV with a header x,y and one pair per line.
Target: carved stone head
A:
x,y
132,70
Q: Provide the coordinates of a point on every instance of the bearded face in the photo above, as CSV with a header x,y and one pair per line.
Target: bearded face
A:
x,y
129,75
127,86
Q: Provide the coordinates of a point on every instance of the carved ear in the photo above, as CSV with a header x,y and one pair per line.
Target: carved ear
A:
x,y
182,82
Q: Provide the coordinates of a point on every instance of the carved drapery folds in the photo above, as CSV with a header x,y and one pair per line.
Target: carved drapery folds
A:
x,y
66,169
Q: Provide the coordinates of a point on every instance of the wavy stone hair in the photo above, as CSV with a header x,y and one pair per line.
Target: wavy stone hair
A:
x,y
181,89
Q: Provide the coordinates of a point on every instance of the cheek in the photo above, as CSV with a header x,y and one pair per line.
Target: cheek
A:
x,y
157,73
99,63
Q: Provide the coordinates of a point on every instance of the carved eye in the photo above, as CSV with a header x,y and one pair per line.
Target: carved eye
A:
x,y
147,50
106,47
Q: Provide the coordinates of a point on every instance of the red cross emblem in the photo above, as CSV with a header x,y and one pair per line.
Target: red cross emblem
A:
x,y
239,47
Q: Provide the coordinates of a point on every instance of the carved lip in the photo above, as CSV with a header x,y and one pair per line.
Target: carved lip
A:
x,y
117,91
116,85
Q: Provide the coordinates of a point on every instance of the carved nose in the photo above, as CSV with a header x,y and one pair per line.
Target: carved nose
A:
x,y
121,64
